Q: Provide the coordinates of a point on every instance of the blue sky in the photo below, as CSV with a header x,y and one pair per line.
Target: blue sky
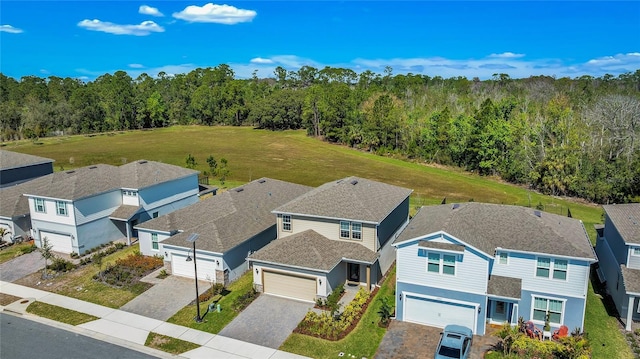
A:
x,y
85,39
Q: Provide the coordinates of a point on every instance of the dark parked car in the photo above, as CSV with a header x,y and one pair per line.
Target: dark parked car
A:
x,y
455,342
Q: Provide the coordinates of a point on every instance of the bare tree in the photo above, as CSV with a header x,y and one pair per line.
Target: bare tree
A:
x,y
47,254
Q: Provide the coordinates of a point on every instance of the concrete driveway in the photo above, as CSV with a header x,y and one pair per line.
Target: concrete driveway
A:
x,y
166,298
268,321
21,266
414,341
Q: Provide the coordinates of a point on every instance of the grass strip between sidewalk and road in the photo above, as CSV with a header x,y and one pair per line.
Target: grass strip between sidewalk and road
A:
x,y
169,344
59,314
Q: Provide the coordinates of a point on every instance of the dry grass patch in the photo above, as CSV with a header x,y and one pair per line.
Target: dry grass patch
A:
x,y
169,344
6,299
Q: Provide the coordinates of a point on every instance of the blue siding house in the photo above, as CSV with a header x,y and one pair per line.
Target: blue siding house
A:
x,y
618,249
474,264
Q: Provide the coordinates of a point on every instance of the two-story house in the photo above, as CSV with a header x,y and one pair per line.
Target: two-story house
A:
x,y
230,226
340,232
20,167
474,263
618,249
77,210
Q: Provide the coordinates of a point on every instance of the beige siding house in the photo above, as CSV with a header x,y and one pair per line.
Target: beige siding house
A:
x,y
338,233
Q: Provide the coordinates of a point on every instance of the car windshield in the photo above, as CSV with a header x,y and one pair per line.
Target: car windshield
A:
x,y
449,352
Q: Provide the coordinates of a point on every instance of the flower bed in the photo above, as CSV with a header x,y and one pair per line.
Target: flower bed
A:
x,y
335,327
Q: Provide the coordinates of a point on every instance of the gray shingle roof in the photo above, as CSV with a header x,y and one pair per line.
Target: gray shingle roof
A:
x,y
124,212
490,226
12,202
439,245
626,218
9,160
311,250
504,287
91,180
350,198
230,218
631,278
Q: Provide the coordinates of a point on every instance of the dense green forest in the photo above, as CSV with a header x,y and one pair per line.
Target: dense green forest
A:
x,y
576,137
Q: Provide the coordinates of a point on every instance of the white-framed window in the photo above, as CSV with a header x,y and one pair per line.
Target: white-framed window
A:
x,y
286,222
636,251
638,307
433,262
503,258
154,241
560,269
552,268
356,230
542,306
129,193
543,266
61,208
345,229
39,204
449,264
155,215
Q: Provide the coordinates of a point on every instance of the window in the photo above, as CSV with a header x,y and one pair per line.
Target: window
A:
x,y
422,252
40,205
560,269
129,193
154,241
344,229
433,263
449,264
356,230
636,251
61,208
502,258
155,215
542,306
286,222
542,268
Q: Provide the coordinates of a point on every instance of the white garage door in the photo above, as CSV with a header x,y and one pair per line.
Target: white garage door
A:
x,y
290,286
438,313
182,268
60,242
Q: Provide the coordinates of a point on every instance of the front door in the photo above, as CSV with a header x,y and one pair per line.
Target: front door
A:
x,y
354,272
499,311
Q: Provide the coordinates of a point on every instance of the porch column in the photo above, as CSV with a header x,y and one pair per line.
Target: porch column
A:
x,y
630,313
369,278
126,224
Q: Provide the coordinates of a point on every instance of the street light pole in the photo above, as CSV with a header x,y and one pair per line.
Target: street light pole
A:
x,y
192,238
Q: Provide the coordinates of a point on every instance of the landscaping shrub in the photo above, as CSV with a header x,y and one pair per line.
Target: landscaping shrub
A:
x,y
28,249
60,265
385,312
331,303
328,326
127,271
244,300
515,342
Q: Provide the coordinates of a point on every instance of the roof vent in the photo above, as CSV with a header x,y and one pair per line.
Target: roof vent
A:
x,y
262,181
239,189
354,182
455,206
142,162
93,167
538,213
70,172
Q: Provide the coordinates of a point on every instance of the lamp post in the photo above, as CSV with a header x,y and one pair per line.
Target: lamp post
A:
x,y
192,238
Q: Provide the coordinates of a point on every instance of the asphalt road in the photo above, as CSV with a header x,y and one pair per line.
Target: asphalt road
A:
x,y
26,339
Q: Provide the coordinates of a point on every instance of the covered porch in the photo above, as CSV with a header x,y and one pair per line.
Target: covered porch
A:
x,y
123,217
503,296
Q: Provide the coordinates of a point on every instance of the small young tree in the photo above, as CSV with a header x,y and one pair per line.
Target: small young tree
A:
x,y
191,161
223,170
385,312
213,165
96,259
47,254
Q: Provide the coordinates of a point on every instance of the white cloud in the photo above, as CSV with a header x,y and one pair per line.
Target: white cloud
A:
x,y
148,10
507,55
10,29
143,29
136,66
260,60
220,14
44,71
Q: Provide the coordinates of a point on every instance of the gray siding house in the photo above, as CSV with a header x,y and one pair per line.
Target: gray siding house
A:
x,y
340,232
19,167
618,249
230,225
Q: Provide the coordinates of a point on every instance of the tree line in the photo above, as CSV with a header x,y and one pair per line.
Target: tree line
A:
x,y
567,136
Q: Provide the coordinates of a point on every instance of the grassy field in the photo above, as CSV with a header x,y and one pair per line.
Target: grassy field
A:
x,y
292,156
13,251
59,314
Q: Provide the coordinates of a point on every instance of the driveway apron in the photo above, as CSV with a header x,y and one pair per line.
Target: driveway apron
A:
x,y
21,266
268,321
165,298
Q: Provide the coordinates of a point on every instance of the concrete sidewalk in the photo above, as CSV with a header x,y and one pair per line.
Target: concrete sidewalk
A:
x,y
126,327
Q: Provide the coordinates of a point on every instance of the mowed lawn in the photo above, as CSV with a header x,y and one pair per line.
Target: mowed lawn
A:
x,y
294,157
